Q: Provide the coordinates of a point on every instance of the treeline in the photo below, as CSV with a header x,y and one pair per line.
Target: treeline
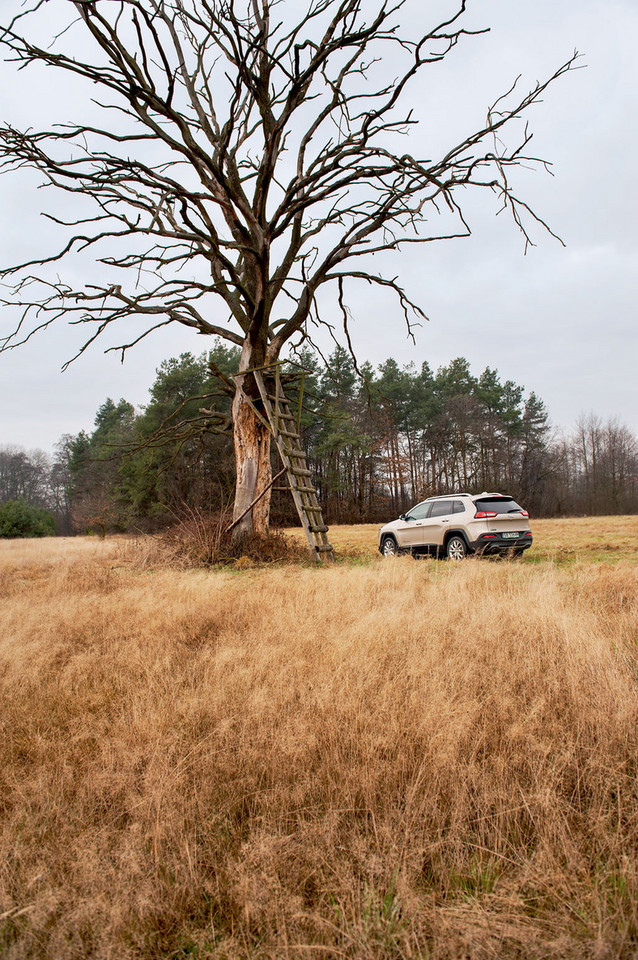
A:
x,y
378,440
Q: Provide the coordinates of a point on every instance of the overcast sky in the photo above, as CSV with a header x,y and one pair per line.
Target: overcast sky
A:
x,y
560,320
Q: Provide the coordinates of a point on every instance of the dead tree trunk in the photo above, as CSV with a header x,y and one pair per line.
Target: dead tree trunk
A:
x,y
252,452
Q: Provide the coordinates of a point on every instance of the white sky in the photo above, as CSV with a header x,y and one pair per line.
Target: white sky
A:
x,y
560,321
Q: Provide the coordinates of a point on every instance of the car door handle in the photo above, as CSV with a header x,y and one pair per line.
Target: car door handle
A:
x,y
445,521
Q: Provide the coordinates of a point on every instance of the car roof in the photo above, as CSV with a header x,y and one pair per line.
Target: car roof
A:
x,y
446,496
470,496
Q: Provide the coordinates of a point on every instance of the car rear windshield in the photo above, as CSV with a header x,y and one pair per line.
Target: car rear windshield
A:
x,y
497,505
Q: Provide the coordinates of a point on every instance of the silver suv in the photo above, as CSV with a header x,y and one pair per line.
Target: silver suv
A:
x,y
458,524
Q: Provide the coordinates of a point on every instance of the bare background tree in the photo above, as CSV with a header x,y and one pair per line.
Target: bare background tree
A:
x,y
250,154
24,476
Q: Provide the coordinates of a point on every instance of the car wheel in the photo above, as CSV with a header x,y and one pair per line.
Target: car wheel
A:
x,y
389,547
455,548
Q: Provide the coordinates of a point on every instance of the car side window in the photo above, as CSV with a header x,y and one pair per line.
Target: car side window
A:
x,y
458,506
441,508
420,512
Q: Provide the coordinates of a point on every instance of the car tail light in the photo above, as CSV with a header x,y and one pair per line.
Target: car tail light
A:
x,y
524,513
482,514
528,533
489,536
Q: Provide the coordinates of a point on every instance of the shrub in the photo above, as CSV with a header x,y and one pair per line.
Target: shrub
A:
x,y
199,540
21,519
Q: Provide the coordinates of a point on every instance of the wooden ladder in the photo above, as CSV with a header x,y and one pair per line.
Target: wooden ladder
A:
x,y
285,428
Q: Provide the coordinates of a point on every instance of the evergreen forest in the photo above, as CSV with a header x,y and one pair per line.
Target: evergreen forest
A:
x,y
378,439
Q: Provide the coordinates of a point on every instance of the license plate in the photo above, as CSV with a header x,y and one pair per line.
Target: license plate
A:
x,y
510,536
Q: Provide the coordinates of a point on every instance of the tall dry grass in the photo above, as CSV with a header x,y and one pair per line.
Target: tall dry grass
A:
x,y
396,760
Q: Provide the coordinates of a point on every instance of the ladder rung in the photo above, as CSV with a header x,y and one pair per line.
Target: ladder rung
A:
x,y
309,508
323,547
318,529
305,489
288,433
299,472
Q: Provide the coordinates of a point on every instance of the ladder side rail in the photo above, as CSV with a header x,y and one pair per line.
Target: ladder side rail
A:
x,y
277,393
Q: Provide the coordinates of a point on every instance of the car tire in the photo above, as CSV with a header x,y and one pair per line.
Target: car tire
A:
x,y
389,547
456,548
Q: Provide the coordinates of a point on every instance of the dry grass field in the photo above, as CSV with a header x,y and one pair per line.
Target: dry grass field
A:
x,y
381,759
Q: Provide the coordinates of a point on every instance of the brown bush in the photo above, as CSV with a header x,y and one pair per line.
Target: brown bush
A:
x,y
201,540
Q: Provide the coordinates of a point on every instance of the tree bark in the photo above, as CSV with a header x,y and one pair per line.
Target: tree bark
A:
x,y
252,455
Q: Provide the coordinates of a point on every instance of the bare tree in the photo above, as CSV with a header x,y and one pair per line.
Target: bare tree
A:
x,y
24,476
250,155
603,458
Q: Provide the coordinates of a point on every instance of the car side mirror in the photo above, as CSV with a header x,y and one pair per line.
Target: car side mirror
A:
x,y
403,517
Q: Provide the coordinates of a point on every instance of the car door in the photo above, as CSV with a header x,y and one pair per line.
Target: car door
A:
x,y
439,521
412,533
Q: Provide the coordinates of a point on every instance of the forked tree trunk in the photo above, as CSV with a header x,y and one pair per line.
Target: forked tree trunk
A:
x,y
252,457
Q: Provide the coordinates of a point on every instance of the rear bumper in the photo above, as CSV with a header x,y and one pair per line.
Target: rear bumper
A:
x,y
494,543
